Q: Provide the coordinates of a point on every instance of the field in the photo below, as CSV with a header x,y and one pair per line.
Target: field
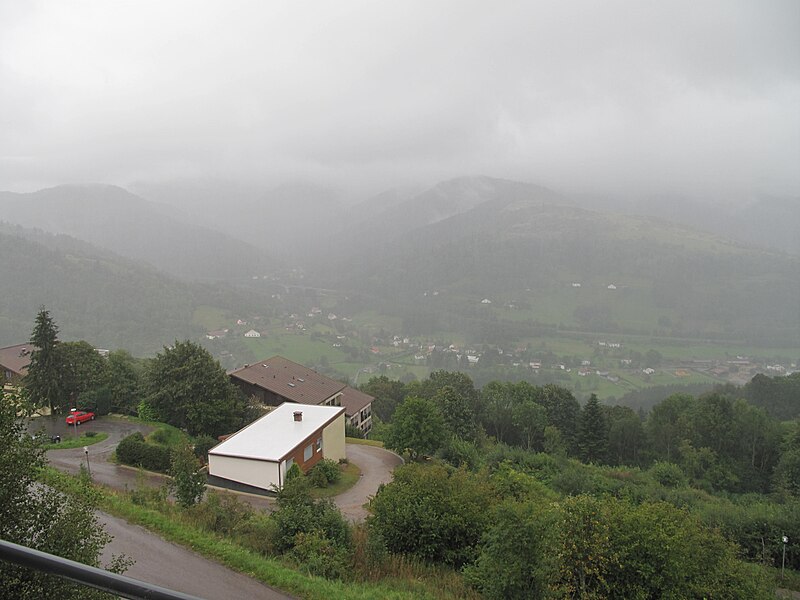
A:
x,y
362,345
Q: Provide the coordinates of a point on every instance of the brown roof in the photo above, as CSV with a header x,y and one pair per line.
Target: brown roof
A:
x,y
290,380
16,358
308,387
354,400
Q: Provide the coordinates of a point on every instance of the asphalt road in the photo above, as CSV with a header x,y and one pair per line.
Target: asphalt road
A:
x,y
171,566
376,466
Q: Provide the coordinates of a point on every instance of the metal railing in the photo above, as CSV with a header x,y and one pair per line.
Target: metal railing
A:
x,y
127,587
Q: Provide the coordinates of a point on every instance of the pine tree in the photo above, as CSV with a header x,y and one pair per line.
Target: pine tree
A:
x,y
592,432
44,381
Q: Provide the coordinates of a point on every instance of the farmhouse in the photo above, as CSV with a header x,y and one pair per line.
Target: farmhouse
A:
x,y
277,380
259,455
14,361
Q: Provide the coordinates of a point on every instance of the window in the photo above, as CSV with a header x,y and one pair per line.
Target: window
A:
x,y
289,463
308,452
319,444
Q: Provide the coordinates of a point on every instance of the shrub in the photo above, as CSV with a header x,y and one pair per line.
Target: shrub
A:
x,y
327,469
258,533
134,451
667,474
317,478
160,436
293,473
299,513
434,513
202,445
90,434
319,555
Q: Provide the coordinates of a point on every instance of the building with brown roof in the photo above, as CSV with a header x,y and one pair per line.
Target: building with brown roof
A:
x,y
14,362
277,380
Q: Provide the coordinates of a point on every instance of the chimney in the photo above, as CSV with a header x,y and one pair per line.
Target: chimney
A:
x,y
298,415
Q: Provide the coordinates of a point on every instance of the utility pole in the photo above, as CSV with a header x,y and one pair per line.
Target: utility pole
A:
x,y
88,467
783,562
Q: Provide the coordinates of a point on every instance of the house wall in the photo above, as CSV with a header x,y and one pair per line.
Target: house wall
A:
x,y
258,473
333,445
363,419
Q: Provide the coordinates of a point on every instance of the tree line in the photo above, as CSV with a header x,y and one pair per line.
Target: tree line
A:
x,y
720,441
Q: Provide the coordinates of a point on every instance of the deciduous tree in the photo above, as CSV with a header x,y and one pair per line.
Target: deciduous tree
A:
x,y
187,388
417,428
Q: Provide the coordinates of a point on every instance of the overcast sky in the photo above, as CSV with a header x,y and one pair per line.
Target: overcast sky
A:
x,y
698,97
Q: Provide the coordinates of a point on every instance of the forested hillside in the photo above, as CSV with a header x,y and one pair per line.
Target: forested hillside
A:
x,y
107,300
114,219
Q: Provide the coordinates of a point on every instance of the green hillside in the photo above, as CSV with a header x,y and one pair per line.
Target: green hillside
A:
x,y
525,256
109,301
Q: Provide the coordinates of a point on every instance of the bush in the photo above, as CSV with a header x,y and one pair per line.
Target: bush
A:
x,y
202,445
434,513
293,473
259,533
160,436
221,513
325,472
90,434
299,513
319,555
667,474
461,453
134,451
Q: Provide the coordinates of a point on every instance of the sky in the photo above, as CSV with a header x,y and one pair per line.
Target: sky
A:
x,y
586,96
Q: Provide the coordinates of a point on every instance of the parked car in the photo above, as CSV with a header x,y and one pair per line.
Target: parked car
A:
x,y
78,417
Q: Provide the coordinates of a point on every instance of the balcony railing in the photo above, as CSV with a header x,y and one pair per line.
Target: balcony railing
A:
x,y
127,587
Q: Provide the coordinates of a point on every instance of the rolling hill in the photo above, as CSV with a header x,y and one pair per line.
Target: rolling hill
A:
x,y
94,295
523,252
113,218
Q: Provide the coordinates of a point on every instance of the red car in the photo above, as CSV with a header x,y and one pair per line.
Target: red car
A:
x,y
78,417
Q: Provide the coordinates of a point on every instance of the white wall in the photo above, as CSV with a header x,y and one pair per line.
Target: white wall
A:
x,y
333,445
258,473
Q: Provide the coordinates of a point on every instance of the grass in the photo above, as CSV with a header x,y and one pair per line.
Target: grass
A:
x,y
78,442
211,317
170,523
350,476
363,442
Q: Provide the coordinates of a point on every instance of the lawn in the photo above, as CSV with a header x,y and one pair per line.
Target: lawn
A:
x,y
350,476
78,442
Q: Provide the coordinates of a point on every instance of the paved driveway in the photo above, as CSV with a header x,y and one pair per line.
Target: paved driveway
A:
x,y
376,466
104,472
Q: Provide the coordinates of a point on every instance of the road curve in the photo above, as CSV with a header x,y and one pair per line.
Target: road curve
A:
x,y
376,466
171,566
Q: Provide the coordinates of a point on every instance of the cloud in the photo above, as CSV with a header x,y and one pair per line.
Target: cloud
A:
x,y
615,95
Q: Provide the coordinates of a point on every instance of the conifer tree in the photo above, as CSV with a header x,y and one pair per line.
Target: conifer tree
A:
x,y
44,380
592,432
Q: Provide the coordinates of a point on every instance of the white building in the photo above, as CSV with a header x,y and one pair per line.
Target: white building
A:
x,y
259,455
252,334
